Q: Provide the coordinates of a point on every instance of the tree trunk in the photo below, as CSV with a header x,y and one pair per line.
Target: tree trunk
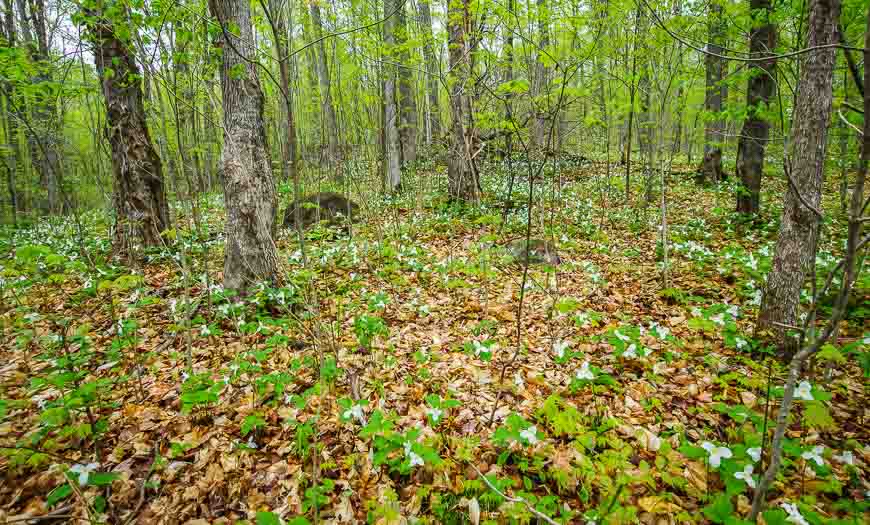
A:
x,y
753,138
325,83
140,198
43,139
249,189
508,77
714,129
278,23
461,178
393,151
541,81
10,115
407,104
433,113
796,244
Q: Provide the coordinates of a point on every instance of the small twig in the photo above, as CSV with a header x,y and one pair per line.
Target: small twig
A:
x,y
511,499
53,515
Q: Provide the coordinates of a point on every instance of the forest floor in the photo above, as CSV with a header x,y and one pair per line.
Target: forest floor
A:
x,y
381,382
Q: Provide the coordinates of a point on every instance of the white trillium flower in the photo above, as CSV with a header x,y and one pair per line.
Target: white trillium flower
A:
x,y
696,312
815,455
752,263
804,391
794,515
662,332
559,347
719,319
479,348
518,380
746,475
740,343
630,352
846,457
184,376
413,457
754,453
733,311
584,372
355,412
716,453
205,331
251,444
530,435
434,413
623,338
84,471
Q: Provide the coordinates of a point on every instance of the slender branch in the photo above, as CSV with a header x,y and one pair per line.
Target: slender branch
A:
x,y
512,499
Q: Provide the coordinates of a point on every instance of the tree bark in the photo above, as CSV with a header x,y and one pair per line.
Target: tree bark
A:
x,y
10,114
249,189
393,150
433,112
139,196
541,80
756,128
461,178
714,66
43,139
508,77
278,23
323,77
798,231
407,104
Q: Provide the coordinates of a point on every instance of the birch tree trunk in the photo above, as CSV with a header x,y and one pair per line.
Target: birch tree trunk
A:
x,y
139,196
756,129
461,178
433,112
798,230
714,66
391,125
249,189
328,109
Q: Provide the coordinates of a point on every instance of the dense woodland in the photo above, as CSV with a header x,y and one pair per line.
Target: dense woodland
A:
x,y
308,261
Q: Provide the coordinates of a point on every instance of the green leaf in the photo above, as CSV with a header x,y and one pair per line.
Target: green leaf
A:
x,y
58,494
102,478
720,509
268,518
816,415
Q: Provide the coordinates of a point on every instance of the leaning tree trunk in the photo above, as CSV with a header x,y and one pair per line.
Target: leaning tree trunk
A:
x,y
714,129
407,105
798,231
393,176
328,108
139,196
461,178
433,112
753,138
249,189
